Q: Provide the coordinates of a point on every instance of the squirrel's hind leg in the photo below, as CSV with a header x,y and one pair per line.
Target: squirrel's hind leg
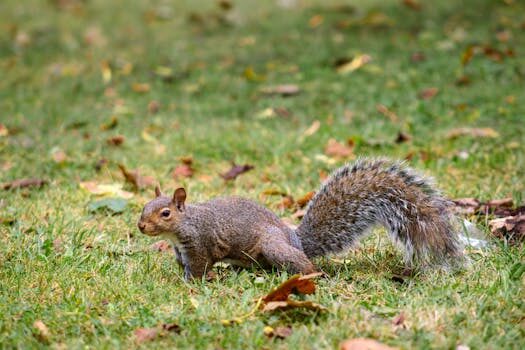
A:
x,y
282,255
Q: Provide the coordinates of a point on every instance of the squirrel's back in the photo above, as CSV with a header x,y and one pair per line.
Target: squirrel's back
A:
x,y
377,191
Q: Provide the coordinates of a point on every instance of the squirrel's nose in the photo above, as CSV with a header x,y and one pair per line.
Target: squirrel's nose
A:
x,y
141,226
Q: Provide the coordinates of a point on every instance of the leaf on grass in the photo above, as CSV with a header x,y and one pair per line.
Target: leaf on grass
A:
x,y
161,246
473,132
338,150
283,90
153,107
363,344
273,112
235,171
315,21
399,320
467,205
59,156
3,130
41,331
413,4
145,334
511,228
312,129
278,332
387,113
113,205
105,189
296,284
303,201
116,140
183,170
106,72
171,327
141,87
286,203
402,137
418,57
111,124
135,179
292,304
251,75
22,183
428,93
356,63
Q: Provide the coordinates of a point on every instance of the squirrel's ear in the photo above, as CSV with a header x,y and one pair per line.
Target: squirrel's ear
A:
x,y
179,196
158,193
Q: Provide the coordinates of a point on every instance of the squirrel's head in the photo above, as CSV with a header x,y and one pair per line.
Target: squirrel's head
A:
x,y
162,214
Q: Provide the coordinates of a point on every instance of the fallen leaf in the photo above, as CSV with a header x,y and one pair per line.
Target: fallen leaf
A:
x,y
356,63
399,320
116,140
428,93
315,21
235,171
413,4
273,112
105,189
402,137
111,205
41,331
3,130
463,80
312,129
153,107
296,284
338,150
387,113
283,90
251,75
22,183
467,55
278,332
363,344
473,132
292,304
111,124
418,57
511,228
161,246
106,72
183,170
135,179
171,327
141,87
467,205
145,334
303,201
59,156
286,203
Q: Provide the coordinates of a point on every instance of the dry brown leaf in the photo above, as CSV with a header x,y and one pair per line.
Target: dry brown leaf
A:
x,y
161,246
296,284
22,183
303,201
145,334
182,170
135,179
153,107
356,63
402,137
387,113
141,87
59,156
363,344
116,140
413,4
41,331
315,21
286,203
418,57
105,189
312,129
283,90
399,320
473,132
428,93
338,150
278,332
235,171
292,304
467,55
511,228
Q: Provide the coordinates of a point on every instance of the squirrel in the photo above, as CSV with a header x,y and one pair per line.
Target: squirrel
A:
x,y
353,200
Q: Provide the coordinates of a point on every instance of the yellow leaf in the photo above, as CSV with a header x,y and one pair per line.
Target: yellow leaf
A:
x,y
140,87
312,129
106,72
194,302
354,64
105,189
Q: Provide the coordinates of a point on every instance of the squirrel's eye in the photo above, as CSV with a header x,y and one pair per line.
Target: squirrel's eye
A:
x,y
165,213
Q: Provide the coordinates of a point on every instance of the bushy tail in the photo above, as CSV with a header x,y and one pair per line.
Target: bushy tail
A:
x,y
380,192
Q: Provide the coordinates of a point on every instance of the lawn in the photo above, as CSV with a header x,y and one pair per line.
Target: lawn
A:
x,y
152,85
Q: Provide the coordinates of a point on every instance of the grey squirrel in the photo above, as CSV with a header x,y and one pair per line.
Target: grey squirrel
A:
x,y
354,199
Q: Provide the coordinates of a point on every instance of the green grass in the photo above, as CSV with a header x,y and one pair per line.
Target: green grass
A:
x,y
104,281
